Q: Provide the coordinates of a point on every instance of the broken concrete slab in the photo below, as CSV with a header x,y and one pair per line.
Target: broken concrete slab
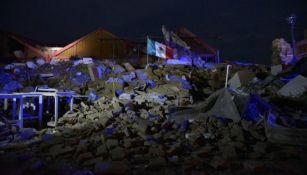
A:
x,y
228,152
240,79
111,167
236,133
128,67
84,156
111,143
295,88
156,163
118,153
60,149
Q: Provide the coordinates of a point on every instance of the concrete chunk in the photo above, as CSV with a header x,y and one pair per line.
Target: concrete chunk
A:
x,y
111,143
118,153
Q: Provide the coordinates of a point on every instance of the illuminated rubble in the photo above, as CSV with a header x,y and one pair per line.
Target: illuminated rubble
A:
x,y
164,119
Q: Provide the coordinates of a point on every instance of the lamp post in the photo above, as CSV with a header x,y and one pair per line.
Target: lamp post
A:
x,y
291,20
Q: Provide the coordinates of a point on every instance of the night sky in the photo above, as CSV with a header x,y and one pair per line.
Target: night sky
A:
x,y
247,27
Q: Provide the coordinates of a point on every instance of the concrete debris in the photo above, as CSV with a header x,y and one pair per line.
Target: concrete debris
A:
x,y
27,133
31,65
111,167
173,118
241,78
117,154
295,88
156,163
40,61
276,69
111,143
117,69
129,67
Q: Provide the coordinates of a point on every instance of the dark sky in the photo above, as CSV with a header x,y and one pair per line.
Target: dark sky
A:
x,y
247,27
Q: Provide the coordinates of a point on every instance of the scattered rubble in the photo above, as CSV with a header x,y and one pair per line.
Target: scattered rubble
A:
x,y
165,118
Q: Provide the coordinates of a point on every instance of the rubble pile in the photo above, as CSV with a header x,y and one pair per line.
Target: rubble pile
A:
x,y
63,75
105,78
165,119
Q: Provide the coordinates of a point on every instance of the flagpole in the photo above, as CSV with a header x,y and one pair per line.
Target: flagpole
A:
x,y
147,52
227,74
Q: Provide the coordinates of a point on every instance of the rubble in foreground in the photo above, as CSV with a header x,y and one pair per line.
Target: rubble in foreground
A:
x,y
166,119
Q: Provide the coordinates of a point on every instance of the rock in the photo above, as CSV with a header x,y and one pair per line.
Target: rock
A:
x,y
150,97
254,166
35,164
27,133
144,114
84,156
83,172
52,140
93,115
253,132
138,150
92,162
150,83
219,163
236,133
117,69
114,167
31,65
174,149
140,159
11,87
70,114
115,83
128,77
127,143
118,153
103,121
54,61
47,137
111,143
173,159
125,96
116,111
128,67
228,152
141,74
203,151
260,147
156,163
141,125
82,147
40,61
110,130
102,71
246,124
156,152
60,149
101,150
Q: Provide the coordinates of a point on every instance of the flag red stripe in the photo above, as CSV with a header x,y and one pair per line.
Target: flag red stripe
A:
x,y
169,52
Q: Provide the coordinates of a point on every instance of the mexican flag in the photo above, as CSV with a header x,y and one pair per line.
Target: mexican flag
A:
x,y
158,49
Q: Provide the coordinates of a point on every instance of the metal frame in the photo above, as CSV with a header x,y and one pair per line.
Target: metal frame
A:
x,y
45,93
